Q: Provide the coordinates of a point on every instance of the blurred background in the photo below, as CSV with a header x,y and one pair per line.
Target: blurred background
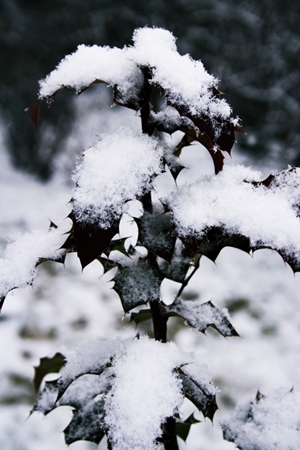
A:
x,y
253,47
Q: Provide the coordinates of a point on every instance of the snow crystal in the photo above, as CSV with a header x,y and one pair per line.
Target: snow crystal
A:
x,y
265,215
185,81
118,168
18,267
146,391
90,64
90,357
271,423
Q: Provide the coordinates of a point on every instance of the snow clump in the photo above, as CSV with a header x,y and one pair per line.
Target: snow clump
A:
x,y
118,168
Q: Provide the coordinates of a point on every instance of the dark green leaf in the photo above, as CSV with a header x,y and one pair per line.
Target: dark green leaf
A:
x,y
199,395
85,396
89,239
141,316
202,316
156,234
138,283
86,424
54,390
47,365
183,428
181,261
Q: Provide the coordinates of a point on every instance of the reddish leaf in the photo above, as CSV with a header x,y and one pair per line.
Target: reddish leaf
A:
x,y
34,112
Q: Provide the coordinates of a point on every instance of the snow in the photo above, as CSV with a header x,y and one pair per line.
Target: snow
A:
x,y
18,267
229,200
145,385
92,64
184,81
270,423
118,168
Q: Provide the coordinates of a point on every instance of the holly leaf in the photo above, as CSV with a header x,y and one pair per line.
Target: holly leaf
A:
x,y
201,316
88,408
183,428
34,112
156,234
53,391
214,239
86,424
179,265
138,283
141,316
46,366
89,239
198,394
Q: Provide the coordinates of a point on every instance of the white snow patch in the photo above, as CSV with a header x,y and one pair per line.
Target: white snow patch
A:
x,y
272,423
265,215
146,391
118,168
18,267
184,80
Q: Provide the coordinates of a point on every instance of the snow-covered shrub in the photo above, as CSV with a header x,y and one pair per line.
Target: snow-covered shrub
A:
x,y
131,391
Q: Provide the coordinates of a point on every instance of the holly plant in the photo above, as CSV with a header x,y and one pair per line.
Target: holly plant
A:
x,y
131,391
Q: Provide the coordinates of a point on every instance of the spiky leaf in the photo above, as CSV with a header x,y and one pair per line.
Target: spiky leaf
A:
x,y
183,428
89,239
202,316
138,283
199,395
46,366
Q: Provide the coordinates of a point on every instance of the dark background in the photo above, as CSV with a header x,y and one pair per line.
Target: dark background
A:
x,y
252,46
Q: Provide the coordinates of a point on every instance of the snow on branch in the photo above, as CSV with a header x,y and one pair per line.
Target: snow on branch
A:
x,y
184,81
266,213
21,257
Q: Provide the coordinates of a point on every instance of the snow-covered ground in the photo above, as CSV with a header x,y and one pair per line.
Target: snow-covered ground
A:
x,y
66,306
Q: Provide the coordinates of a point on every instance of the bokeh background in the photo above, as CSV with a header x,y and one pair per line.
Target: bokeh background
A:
x,y
253,47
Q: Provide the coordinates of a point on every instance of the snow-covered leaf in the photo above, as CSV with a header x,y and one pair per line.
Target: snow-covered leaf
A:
x,y
86,397
137,282
233,209
18,268
91,358
267,423
156,234
202,315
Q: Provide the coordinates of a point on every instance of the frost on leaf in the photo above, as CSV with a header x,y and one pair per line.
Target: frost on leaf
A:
x,y
269,422
86,396
18,267
91,358
202,316
232,209
156,234
137,281
179,265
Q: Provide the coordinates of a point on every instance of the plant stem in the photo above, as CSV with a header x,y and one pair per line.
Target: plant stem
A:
x,y
158,320
186,282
